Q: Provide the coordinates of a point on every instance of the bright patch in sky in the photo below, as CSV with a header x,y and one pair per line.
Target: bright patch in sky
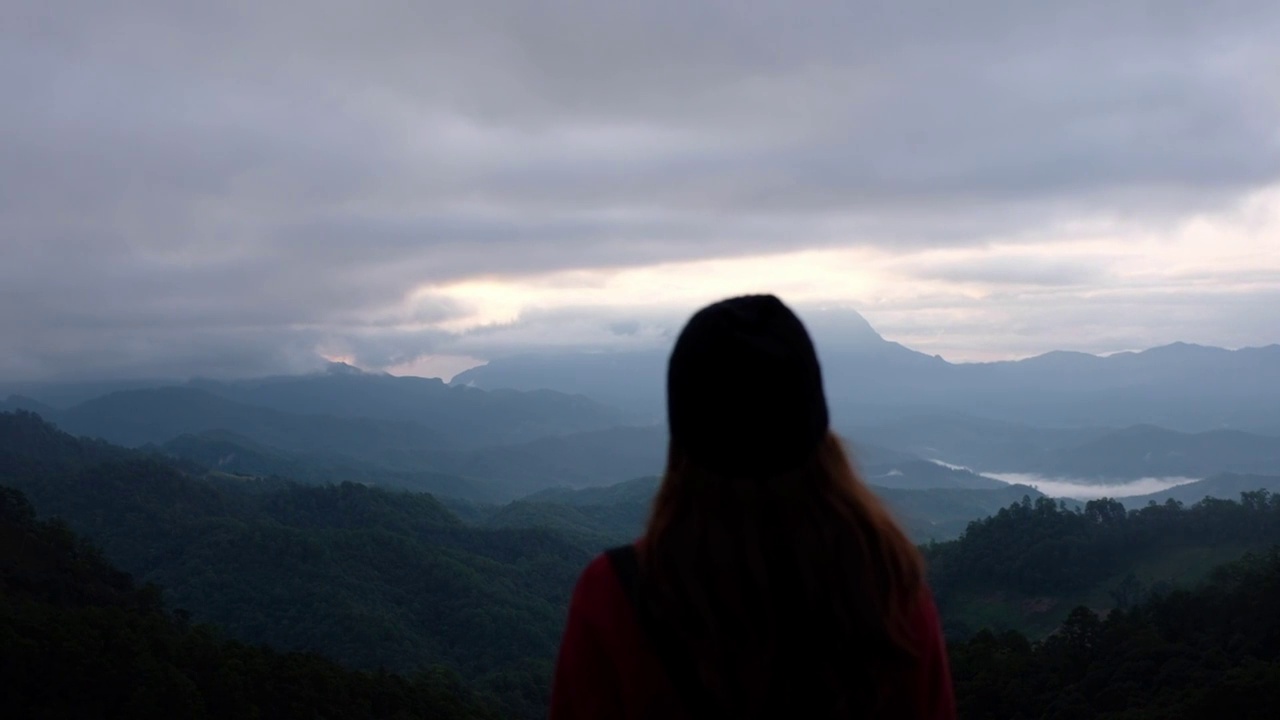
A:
x,y
807,277
1112,286
189,190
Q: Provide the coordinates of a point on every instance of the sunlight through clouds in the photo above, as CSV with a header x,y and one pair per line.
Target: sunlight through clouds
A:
x,y
810,277
1014,282
191,189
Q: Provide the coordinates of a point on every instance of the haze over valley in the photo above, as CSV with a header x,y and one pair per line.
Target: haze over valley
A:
x,y
523,425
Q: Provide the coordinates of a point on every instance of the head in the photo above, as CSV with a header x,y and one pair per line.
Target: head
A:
x,y
765,553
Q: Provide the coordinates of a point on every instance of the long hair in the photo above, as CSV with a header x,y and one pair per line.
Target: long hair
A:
x,y
789,593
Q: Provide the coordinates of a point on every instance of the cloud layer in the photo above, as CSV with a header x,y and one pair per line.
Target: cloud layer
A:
x,y
244,187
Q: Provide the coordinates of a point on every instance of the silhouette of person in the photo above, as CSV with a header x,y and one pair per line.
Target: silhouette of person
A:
x,y
769,581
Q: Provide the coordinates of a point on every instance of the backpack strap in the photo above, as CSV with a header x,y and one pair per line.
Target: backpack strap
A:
x,y
679,665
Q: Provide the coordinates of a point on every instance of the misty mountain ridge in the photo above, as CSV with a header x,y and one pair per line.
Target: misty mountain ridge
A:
x,y
246,439
1178,410
137,417
227,452
456,417
1093,454
465,416
869,379
927,510
462,416
1225,485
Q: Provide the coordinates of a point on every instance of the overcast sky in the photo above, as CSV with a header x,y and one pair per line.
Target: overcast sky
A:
x,y
231,188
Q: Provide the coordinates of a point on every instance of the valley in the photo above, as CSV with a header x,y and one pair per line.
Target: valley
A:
x,y
394,524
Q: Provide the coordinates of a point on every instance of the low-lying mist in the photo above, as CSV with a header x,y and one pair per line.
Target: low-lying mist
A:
x,y
1077,489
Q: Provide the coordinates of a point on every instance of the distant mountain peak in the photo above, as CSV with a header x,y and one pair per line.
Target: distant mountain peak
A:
x,y
21,402
341,368
1185,349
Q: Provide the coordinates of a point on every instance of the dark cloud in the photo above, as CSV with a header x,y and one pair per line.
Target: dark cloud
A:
x,y
233,185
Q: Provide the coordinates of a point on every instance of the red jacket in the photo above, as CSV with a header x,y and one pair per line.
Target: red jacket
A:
x,y
607,669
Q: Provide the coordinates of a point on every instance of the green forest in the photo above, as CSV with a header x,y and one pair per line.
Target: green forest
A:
x,y
369,578
1211,651
239,596
1026,565
81,640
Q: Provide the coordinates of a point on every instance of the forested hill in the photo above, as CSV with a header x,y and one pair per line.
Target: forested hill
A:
x,y
1024,566
1213,652
302,412
367,577
618,512
1184,387
79,639
375,579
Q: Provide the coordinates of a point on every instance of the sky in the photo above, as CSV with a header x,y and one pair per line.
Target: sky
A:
x,y
242,188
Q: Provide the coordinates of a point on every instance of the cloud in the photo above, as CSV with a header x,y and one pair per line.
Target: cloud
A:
x,y
227,187
1008,270
625,327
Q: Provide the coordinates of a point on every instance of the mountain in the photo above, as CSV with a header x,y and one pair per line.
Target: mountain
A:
x,y
1226,485
1148,451
368,577
639,491
604,457
1184,387
1209,651
938,514
870,456
601,526
437,414
634,381
930,506
39,396
401,432
492,474
235,437
871,380
20,402
396,582
927,475
598,457
138,417
75,624
1086,453
227,452
1024,567
860,367
462,417
976,442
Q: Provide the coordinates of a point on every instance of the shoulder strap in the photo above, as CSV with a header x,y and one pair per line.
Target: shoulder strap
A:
x,y
627,567
678,665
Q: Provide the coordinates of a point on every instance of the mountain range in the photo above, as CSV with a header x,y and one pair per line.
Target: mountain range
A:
x,y
277,509
1080,453
469,606
526,423
933,510
869,379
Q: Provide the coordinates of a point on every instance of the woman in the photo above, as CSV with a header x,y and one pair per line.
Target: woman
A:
x,y
770,582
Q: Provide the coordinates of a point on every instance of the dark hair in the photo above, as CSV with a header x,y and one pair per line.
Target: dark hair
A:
x,y
790,592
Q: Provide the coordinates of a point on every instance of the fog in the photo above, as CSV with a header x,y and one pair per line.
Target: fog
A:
x,y
1078,489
